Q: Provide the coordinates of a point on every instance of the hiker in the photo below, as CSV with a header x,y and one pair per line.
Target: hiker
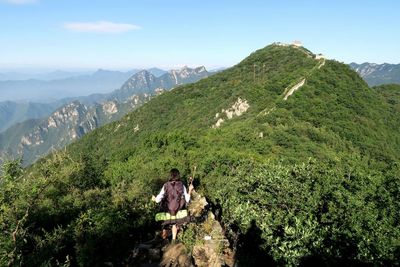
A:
x,y
173,197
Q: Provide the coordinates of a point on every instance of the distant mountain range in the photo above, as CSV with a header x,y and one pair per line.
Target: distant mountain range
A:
x,y
12,112
145,82
47,76
59,74
36,137
377,74
63,85
102,81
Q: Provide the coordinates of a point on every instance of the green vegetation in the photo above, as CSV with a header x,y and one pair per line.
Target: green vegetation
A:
x,y
314,178
315,212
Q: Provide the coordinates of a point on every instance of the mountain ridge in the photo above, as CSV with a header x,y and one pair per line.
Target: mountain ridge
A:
x,y
377,74
306,180
253,78
40,89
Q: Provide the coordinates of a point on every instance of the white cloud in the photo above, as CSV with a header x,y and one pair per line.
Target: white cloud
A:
x,y
19,2
100,27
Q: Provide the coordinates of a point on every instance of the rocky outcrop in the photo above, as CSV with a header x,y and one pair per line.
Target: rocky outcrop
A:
x,y
145,82
110,107
237,109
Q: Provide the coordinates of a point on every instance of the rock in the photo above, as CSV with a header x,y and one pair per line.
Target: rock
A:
x,y
175,255
205,256
197,204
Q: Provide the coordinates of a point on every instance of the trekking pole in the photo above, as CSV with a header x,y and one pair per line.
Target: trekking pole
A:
x,y
193,174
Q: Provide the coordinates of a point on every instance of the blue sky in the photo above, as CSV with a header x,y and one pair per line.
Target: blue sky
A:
x,y
123,34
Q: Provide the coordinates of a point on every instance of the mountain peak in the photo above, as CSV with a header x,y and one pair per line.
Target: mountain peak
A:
x,y
200,69
142,73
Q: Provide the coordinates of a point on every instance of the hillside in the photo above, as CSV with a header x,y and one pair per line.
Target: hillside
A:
x,y
293,149
332,110
377,74
391,93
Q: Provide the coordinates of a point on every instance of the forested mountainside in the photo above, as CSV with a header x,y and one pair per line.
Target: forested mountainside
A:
x,y
299,152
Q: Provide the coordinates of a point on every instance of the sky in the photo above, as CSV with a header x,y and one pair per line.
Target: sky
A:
x,y
126,34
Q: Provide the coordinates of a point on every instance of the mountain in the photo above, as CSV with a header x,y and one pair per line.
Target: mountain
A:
x,y
145,82
56,75
266,90
291,148
102,81
156,71
219,69
35,138
376,74
82,115
12,112
53,75
67,85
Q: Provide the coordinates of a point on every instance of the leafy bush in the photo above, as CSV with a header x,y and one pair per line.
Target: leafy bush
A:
x,y
313,211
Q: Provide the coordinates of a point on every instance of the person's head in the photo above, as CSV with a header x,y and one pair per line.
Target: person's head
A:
x,y
174,175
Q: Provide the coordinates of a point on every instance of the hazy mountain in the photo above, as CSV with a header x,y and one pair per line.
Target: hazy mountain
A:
x,y
64,90
219,69
377,74
145,82
102,81
35,138
45,76
156,71
12,112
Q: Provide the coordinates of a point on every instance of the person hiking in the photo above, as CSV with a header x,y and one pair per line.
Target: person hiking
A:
x,y
173,197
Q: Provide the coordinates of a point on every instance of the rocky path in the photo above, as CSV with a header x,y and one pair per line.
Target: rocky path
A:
x,y
201,243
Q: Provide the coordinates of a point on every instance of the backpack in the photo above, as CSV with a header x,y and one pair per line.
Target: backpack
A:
x,y
174,198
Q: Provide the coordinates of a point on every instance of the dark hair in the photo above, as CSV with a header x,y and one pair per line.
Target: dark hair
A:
x,y
174,175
